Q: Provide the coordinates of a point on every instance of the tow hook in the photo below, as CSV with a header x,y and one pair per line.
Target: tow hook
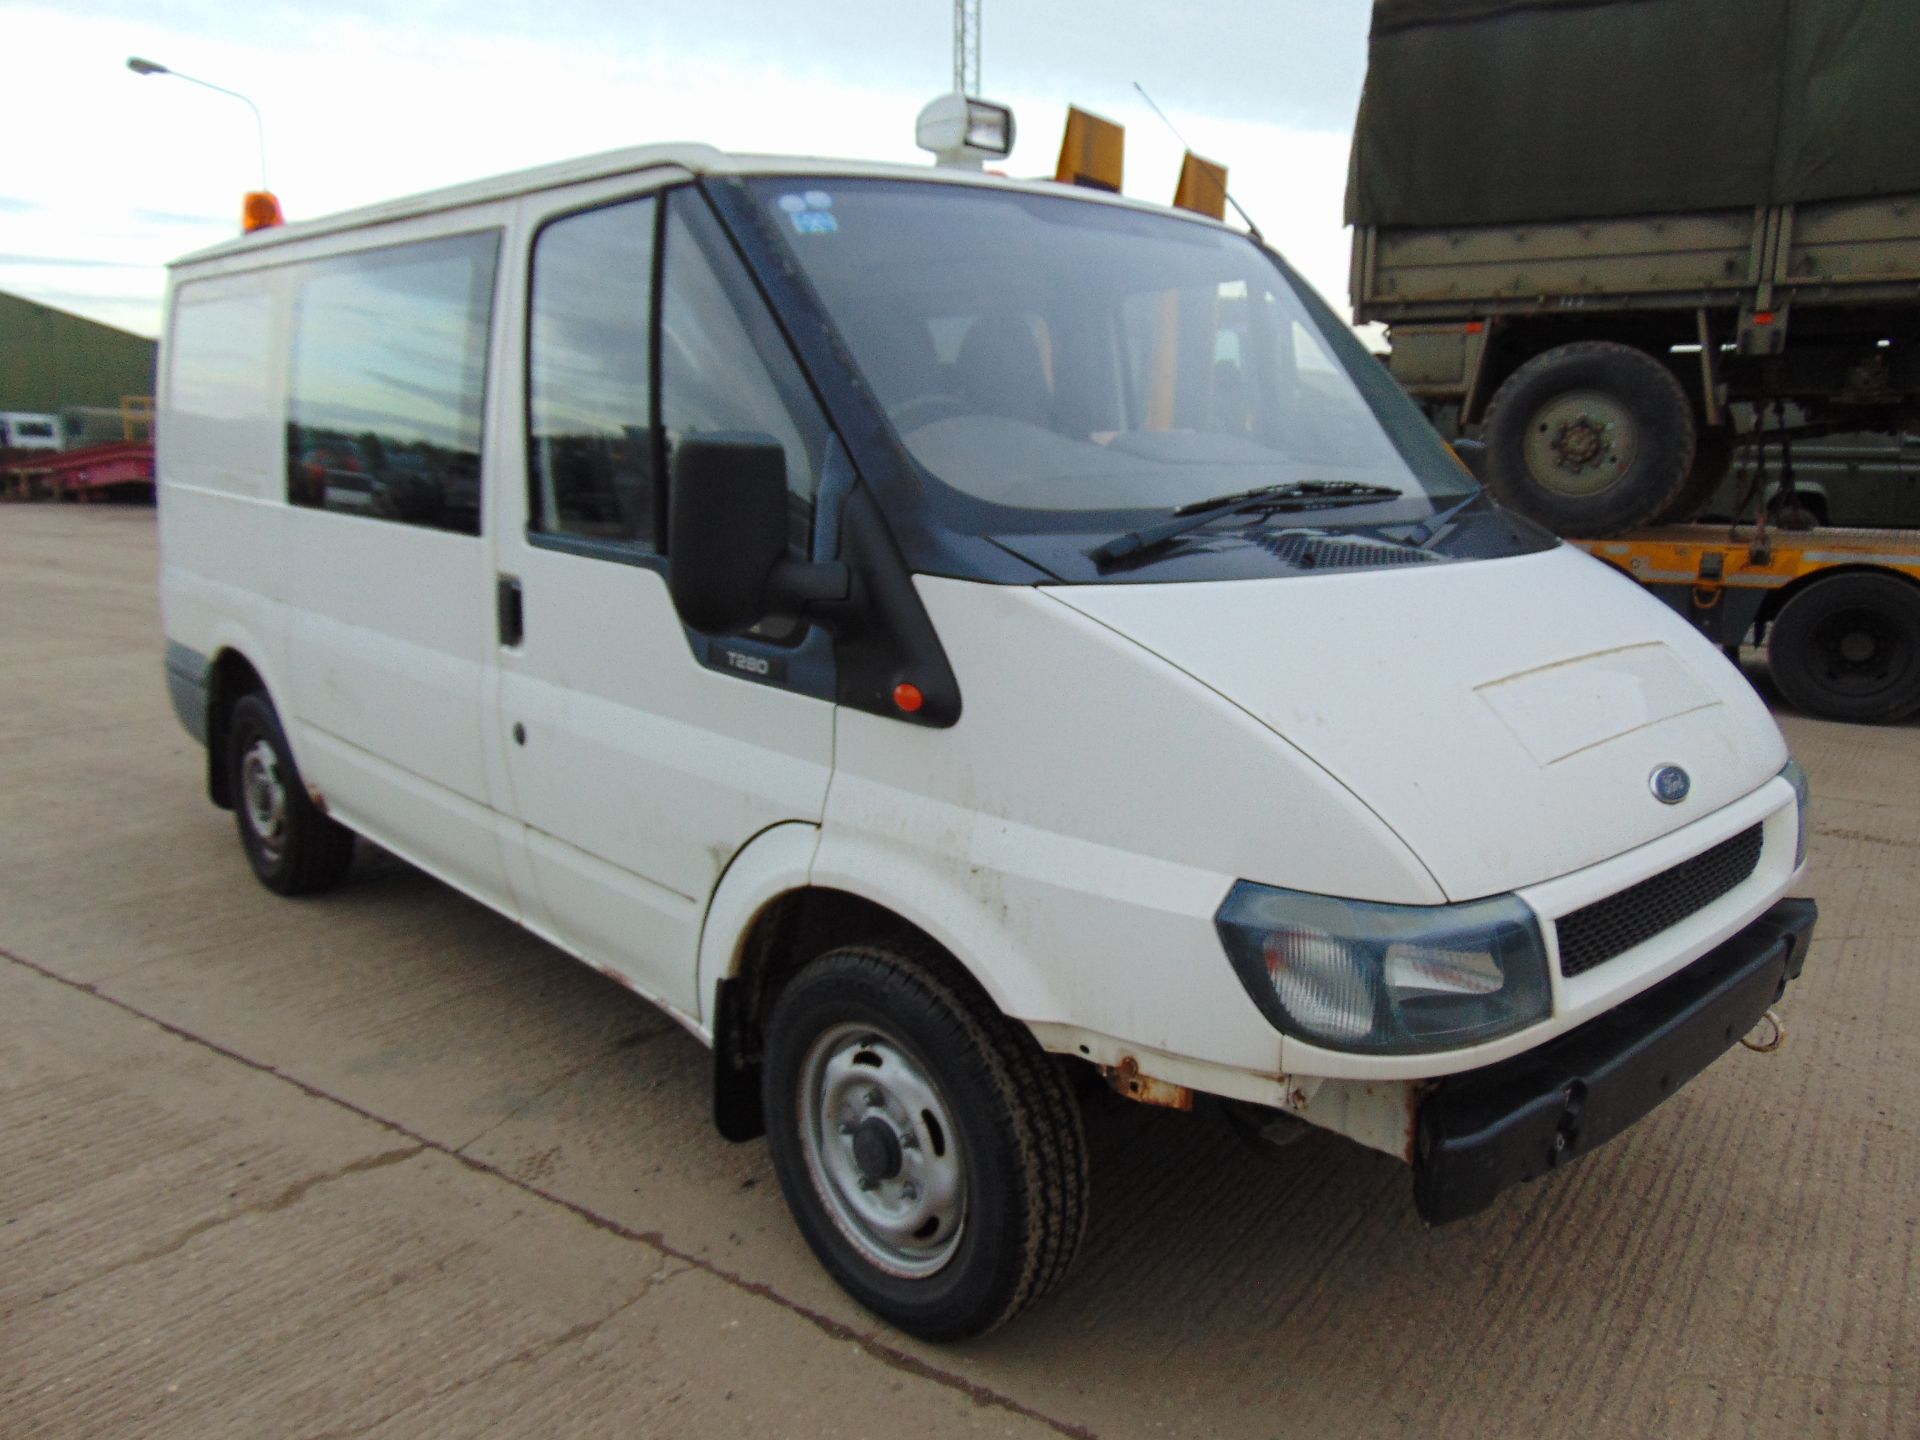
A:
x,y
1772,1030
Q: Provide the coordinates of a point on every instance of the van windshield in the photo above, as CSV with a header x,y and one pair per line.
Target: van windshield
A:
x,y
1044,357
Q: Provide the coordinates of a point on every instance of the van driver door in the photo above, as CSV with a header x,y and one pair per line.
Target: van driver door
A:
x,y
641,757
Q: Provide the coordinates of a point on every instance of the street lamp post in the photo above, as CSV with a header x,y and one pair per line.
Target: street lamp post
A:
x,y
154,67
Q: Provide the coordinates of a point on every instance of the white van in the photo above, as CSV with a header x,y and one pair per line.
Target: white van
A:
x,y
933,634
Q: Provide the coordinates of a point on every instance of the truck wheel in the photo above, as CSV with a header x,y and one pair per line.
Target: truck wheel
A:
x,y
1712,459
293,848
1848,648
1589,439
930,1151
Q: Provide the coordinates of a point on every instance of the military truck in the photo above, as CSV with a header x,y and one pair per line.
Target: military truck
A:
x,y
1612,238
1595,227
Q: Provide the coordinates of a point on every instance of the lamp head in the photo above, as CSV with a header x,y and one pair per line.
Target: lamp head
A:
x,y
146,67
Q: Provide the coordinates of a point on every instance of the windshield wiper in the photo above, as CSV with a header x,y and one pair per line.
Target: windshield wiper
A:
x,y
1301,495
1428,530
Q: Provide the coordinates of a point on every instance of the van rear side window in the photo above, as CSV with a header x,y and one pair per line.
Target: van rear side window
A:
x,y
388,383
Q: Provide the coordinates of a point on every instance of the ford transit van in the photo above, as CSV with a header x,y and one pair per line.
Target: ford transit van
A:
x,y
936,635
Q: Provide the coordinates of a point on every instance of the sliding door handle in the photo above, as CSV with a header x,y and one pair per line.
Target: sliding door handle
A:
x,y
509,611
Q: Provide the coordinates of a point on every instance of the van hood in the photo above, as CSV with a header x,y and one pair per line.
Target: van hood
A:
x,y
1504,717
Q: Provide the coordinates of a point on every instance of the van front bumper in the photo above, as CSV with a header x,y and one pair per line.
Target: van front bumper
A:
x,y
1483,1131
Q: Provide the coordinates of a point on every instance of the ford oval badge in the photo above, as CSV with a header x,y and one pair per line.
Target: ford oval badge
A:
x,y
1670,784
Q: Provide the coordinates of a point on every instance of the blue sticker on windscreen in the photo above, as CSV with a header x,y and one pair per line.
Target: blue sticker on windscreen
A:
x,y
811,213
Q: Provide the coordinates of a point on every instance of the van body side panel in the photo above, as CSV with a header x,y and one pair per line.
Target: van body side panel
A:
x,y
386,649
219,453
642,773
1072,836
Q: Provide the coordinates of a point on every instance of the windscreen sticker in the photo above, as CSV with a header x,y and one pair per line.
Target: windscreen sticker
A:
x,y
811,213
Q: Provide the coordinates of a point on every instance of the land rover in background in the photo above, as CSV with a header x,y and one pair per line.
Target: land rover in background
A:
x,y
932,634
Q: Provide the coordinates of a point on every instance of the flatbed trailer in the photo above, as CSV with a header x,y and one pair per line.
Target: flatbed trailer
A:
x,y
1838,610
117,468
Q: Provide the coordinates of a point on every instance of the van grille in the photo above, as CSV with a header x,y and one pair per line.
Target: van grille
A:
x,y
1310,552
1596,933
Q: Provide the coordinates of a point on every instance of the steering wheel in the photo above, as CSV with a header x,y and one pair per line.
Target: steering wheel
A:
x,y
925,409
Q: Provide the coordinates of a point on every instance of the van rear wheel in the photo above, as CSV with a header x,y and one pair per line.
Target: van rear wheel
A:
x,y
293,848
930,1151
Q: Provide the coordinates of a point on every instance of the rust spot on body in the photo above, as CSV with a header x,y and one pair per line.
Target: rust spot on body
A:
x,y
1126,1079
319,800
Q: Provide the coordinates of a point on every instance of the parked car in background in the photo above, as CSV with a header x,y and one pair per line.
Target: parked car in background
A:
x,y
23,430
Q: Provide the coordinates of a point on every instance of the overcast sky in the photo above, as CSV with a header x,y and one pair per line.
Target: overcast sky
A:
x,y
109,175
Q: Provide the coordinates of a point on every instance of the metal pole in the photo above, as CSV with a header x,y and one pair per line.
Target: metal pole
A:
x,y
966,47
153,67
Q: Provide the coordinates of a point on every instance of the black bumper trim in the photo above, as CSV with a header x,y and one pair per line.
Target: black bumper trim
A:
x,y
1487,1130
187,688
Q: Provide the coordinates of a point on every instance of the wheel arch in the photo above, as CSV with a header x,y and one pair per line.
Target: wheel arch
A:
x,y
230,676
761,935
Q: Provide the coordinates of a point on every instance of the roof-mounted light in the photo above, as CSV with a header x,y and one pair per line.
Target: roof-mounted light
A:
x,y
260,210
963,131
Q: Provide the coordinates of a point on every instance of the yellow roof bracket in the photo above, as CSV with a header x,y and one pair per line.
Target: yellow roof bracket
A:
x,y
1093,151
1202,188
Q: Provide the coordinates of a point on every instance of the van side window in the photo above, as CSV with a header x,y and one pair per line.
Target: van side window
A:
x,y
590,446
388,382
222,400
724,365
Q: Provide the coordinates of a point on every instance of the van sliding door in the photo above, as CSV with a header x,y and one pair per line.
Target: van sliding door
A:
x,y
388,634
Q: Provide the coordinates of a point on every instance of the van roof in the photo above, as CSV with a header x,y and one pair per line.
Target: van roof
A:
x,y
691,158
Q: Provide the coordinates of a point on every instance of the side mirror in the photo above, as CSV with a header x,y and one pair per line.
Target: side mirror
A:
x,y
1473,455
727,563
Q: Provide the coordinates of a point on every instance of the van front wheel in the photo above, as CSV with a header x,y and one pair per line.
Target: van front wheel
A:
x,y
930,1151
292,846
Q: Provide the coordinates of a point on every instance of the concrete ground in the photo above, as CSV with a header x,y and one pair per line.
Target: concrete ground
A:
x,y
379,1164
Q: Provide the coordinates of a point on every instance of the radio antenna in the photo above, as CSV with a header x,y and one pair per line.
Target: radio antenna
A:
x,y
1238,209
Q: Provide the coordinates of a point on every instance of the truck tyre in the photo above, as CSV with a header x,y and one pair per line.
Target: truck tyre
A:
x,y
930,1151
1712,459
292,846
1848,648
1589,439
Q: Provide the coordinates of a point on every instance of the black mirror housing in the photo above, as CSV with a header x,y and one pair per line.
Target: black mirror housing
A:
x,y
727,563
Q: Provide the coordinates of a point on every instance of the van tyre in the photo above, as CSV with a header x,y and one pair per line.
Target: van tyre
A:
x,y
1590,439
292,846
930,1151
1848,648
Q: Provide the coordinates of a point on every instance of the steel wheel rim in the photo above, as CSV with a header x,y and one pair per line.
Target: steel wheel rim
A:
x,y
264,796
882,1150
1581,443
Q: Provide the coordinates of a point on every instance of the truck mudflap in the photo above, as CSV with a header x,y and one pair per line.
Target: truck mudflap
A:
x,y
1484,1131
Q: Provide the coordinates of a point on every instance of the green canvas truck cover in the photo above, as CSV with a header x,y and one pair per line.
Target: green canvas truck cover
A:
x,y
1512,111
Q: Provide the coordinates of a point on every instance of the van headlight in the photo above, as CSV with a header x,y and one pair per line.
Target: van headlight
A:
x,y
1797,778
1386,979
